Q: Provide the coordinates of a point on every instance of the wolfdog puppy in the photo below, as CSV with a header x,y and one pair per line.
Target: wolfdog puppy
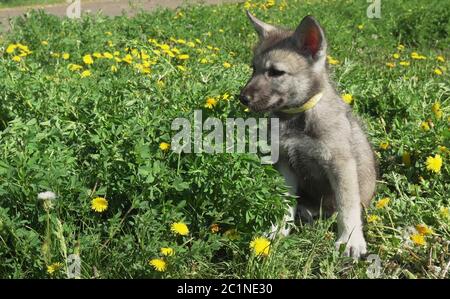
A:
x,y
325,156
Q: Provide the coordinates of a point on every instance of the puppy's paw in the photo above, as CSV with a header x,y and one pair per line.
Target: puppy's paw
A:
x,y
355,245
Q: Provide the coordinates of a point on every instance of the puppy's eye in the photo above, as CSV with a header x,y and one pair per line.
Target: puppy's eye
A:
x,y
272,72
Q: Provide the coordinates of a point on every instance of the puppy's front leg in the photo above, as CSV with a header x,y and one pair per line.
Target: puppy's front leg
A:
x,y
344,180
292,183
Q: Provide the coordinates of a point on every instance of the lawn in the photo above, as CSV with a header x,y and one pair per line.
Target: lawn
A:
x,y
14,3
86,111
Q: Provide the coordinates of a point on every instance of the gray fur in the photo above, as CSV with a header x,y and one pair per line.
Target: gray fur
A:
x,y
324,153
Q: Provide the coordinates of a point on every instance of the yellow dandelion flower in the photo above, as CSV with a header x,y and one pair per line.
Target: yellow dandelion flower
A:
x,y
418,239
215,228
438,72
54,267
86,73
179,228
425,126
260,246
44,43
108,33
444,212
348,98
97,55
65,56
390,64
159,264
396,55
16,58
404,63
198,41
181,68
210,103
74,67
167,251
226,96
190,44
373,218
406,159
226,65
128,58
11,48
135,53
203,61
417,56
434,164
423,229
436,108
113,68
383,203
384,145
99,204
361,27
332,61
440,58
183,56
400,47
164,146
87,59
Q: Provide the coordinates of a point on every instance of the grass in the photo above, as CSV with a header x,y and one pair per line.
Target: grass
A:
x,y
15,3
98,134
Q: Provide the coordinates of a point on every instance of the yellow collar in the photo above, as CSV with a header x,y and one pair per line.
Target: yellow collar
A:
x,y
306,106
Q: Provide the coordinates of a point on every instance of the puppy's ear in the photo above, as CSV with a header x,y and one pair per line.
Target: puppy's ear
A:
x,y
310,38
262,28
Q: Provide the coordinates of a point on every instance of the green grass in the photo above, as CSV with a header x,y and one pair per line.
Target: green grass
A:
x,y
14,3
100,136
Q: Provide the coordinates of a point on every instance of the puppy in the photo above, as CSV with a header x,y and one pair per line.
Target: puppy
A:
x,y
325,157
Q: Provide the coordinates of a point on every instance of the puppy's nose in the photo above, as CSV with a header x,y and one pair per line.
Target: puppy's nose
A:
x,y
244,99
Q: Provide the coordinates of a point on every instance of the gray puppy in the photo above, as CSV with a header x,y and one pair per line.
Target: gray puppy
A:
x,y
325,156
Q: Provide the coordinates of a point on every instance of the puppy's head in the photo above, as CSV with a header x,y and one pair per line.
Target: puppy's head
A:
x,y
288,66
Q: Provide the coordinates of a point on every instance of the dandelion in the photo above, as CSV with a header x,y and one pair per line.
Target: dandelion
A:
x,y
44,43
108,33
159,264
210,103
425,126
226,65
417,56
384,145
190,44
361,27
390,64
260,246
164,146
436,108
54,267
434,164
444,212
47,195
113,68
404,63
65,56
128,58
423,229
383,202
181,68
179,228
86,73
99,204
332,61
442,149
373,218
214,228
225,96
440,58
74,67
396,55
11,48
438,72
167,251
418,239
406,159
183,56
348,98
16,58
203,61
400,47
87,59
